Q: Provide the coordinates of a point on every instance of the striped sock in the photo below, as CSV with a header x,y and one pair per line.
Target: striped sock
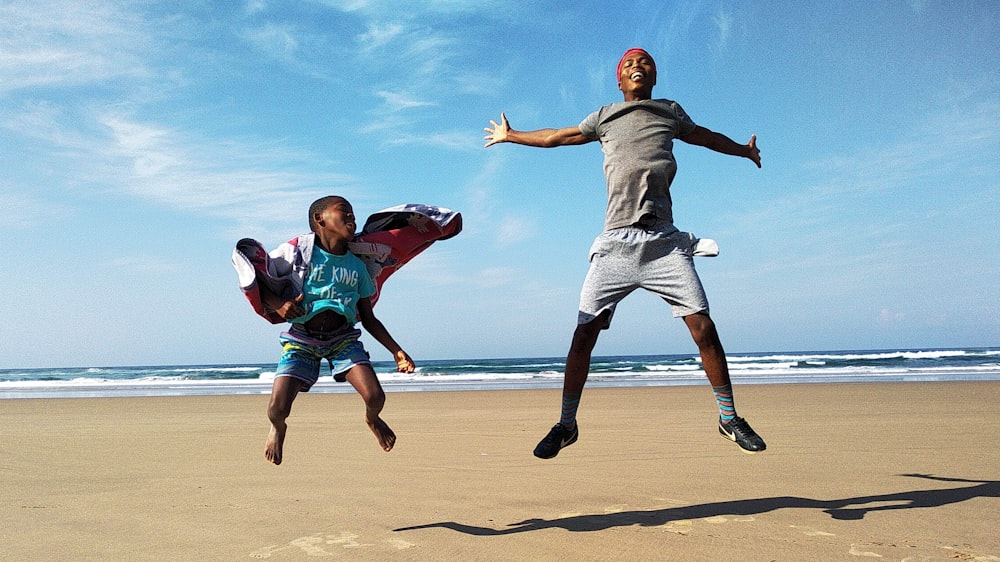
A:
x,y
724,396
570,402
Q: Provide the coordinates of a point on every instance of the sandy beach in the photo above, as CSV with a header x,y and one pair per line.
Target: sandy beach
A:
x,y
895,471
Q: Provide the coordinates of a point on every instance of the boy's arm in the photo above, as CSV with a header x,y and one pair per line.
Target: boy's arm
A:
x,y
721,143
284,308
542,138
378,331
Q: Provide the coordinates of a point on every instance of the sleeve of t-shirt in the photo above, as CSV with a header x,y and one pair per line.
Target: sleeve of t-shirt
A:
x,y
685,122
366,287
589,125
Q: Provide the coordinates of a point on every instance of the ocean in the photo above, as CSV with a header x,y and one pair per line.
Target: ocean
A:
x,y
490,374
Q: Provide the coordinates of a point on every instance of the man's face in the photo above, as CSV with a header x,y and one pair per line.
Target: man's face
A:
x,y
638,75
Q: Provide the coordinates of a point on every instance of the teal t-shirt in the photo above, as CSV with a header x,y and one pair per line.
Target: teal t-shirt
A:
x,y
335,283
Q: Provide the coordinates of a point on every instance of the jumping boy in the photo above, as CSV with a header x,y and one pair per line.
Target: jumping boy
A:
x,y
640,247
334,289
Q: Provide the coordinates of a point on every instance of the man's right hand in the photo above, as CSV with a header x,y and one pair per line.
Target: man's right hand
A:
x,y
498,133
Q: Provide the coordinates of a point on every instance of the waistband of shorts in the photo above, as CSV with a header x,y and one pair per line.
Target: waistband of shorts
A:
x,y
660,229
299,334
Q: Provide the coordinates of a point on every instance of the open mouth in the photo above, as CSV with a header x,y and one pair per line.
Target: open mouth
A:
x,y
637,76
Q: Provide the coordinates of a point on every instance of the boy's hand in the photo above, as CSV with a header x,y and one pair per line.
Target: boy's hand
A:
x,y
403,362
290,309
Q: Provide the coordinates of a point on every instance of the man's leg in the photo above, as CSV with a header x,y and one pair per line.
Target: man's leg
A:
x,y
713,360
283,393
713,357
363,379
565,433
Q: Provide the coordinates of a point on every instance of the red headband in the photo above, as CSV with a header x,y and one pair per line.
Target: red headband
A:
x,y
625,56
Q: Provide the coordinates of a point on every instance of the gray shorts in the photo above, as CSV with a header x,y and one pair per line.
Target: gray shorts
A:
x,y
625,259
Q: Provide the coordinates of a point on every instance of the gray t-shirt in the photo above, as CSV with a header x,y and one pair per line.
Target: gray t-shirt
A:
x,y
637,138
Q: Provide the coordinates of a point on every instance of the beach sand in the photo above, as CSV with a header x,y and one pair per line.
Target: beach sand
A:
x,y
892,471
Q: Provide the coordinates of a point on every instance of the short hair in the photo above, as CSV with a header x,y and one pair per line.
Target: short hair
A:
x,y
319,206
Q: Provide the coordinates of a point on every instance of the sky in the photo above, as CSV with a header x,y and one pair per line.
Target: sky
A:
x,y
140,140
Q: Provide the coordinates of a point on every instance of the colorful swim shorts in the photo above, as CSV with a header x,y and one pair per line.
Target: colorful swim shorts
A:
x,y
301,357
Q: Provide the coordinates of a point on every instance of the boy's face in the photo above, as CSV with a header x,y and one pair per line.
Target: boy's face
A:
x,y
338,219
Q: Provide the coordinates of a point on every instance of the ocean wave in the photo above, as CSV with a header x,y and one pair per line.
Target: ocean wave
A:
x,y
645,370
856,356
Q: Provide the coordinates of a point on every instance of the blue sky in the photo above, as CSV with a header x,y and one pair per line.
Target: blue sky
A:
x,y
139,141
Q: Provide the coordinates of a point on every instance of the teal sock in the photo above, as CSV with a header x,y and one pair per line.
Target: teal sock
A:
x,y
724,396
570,402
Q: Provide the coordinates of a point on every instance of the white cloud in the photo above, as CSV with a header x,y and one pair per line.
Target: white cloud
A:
x,y
277,41
379,35
22,211
723,23
241,182
887,317
143,266
67,44
395,101
513,230
412,8
500,276
255,6
235,180
451,140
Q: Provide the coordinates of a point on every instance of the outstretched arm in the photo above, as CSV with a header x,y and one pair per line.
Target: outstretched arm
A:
x,y
721,143
543,138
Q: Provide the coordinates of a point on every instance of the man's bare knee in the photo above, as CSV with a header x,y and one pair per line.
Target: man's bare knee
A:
x,y
703,330
585,336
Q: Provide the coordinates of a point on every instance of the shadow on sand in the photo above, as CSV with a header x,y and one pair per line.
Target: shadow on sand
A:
x,y
843,509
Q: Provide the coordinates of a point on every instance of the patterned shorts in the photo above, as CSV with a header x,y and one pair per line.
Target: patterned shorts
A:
x,y
301,357
625,259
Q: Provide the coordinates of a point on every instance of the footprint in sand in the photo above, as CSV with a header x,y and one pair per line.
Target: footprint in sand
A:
x,y
313,545
718,519
400,544
682,527
346,540
810,532
856,552
308,545
964,555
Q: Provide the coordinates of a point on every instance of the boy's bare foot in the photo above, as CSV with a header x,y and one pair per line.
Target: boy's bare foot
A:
x,y
275,443
383,433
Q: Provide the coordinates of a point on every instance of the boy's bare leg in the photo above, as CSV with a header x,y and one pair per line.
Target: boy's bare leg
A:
x,y
363,379
283,393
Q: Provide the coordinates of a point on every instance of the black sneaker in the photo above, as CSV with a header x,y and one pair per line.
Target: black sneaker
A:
x,y
739,431
557,438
